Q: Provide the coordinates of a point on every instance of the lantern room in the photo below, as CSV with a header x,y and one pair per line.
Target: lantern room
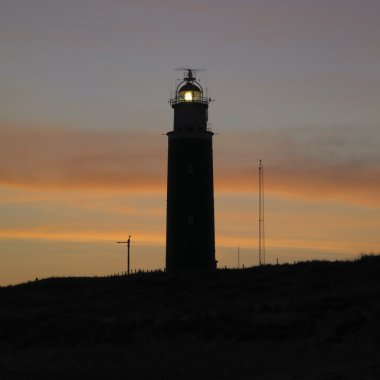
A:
x,y
189,90
189,93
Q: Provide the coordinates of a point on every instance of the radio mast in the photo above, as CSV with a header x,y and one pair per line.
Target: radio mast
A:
x,y
261,215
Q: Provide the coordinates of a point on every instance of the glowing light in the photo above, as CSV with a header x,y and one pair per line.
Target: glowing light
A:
x,y
188,96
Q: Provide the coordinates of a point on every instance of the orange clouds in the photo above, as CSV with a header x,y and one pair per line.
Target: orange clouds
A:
x,y
336,163
57,158
340,163
79,235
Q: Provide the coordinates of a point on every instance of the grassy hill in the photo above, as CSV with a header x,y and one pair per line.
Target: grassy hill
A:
x,y
312,320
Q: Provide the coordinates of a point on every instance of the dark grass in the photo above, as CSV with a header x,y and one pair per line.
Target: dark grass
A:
x,y
269,321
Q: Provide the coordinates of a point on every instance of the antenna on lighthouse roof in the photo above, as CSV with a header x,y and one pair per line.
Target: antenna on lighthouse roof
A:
x,y
189,72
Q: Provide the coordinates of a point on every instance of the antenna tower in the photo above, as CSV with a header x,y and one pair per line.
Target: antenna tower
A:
x,y
261,215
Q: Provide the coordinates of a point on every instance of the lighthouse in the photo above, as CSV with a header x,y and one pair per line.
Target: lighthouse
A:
x,y
190,231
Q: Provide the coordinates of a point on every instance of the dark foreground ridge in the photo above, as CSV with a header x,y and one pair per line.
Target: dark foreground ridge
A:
x,y
313,320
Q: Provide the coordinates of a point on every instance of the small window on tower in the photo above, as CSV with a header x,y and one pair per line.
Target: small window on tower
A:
x,y
190,169
190,219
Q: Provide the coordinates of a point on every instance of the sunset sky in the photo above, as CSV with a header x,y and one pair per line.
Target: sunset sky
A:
x,y
84,89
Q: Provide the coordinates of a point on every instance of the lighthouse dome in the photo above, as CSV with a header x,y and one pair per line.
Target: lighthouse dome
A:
x,y
189,92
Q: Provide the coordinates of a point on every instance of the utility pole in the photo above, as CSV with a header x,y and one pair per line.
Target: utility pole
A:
x,y
261,215
128,242
238,252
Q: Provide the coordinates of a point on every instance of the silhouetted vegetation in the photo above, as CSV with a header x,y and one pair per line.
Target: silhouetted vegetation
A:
x,y
269,321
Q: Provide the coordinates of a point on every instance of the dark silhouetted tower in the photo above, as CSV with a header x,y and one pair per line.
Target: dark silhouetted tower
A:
x,y
190,233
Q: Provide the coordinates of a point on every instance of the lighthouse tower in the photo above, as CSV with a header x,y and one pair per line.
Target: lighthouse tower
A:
x,y
190,232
